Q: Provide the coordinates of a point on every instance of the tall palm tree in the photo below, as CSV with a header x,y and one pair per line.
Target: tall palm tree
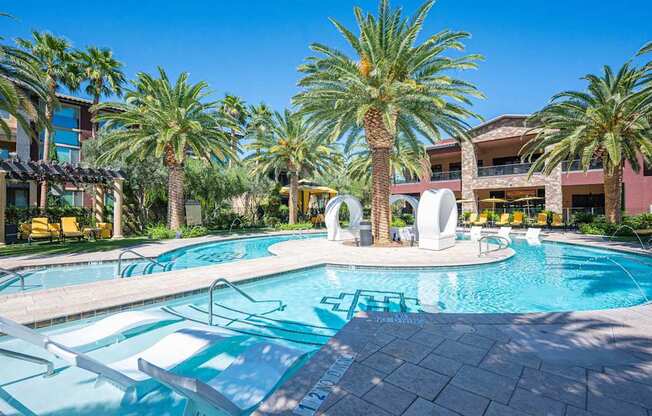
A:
x,y
406,158
234,110
55,60
610,121
294,147
168,121
392,84
103,74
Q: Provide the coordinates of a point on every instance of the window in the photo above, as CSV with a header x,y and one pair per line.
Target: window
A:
x,y
73,198
4,153
453,167
68,155
66,117
510,160
588,201
68,137
480,163
17,197
436,168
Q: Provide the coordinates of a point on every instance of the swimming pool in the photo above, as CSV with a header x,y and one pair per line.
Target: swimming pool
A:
x,y
198,255
319,301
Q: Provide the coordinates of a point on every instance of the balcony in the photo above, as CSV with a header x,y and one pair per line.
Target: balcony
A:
x,y
399,180
500,170
453,175
575,165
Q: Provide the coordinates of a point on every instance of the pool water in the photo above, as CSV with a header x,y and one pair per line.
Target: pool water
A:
x,y
319,301
204,254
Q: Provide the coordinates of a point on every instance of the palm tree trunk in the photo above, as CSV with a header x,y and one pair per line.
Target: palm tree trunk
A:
x,y
46,153
613,193
96,100
175,197
380,142
293,200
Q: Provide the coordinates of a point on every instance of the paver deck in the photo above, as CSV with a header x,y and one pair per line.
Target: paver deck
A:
x,y
562,364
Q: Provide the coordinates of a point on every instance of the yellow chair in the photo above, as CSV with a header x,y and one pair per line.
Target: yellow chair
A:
x,y
25,230
542,219
70,228
518,219
482,220
105,229
557,221
504,219
40,229
472,218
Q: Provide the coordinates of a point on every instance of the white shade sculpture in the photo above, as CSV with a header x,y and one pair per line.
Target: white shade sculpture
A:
x,y
437,219
414,203
332,217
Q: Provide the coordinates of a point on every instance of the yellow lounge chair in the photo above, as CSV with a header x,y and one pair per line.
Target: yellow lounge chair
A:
x,y
105,229
482,220
504,220
542,219
40,229
70,228
557,220
472,218
518,219
25,230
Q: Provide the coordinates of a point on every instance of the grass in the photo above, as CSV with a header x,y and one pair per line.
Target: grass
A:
x,y
68,247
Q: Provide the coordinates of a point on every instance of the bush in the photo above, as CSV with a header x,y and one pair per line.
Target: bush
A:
x,y
600,226
398,222
159,232
294,227
583,218
84,216
196,231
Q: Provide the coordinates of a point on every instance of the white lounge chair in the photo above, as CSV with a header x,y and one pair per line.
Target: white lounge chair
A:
x,y
169,352
505,232
532,236
111,329
476,233
243,385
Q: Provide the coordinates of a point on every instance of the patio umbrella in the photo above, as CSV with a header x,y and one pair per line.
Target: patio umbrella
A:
x,y
493,203
527,200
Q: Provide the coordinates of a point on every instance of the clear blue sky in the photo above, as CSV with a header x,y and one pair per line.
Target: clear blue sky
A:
x,y
251,48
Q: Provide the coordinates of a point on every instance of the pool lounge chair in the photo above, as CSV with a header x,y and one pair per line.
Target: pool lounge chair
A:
x,y
518,219
70,228
41,229
504,220
542,219
505,232
472,218
482,220
238,389
532,236
170,352
557,221
476,233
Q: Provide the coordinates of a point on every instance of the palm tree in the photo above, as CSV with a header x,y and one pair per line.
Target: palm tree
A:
x,y
102,72
234,110
169,121
55,60
294,147
610,121
393,84
406,158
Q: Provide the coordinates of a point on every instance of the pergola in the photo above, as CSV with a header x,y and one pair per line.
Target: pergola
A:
x,y
34,172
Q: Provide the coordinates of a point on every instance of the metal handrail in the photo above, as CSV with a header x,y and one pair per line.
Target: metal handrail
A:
x,y
49,372
16,276
633,232
233,223
503,243
222,280
127,250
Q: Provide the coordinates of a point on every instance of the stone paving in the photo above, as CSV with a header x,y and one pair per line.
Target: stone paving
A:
x,y
556,364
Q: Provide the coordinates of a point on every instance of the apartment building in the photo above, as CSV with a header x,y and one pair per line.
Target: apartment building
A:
x,y
489,166
71,126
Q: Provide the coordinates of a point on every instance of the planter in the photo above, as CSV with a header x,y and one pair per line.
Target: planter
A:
x,y
11,233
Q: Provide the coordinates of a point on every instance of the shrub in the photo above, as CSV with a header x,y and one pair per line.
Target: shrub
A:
x,y
398,222
159,232
583,218
15,215
294,227
196,231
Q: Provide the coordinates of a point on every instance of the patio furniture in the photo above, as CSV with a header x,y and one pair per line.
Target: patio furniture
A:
x,y
41,229
243,385
482,220
557,221
476,233
91,232
70,228
25,229
505,232
517,221
472,218
106,229
504,220
532,236
542,219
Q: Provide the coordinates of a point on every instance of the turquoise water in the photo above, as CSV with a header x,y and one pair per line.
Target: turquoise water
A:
x,y
205,254
320,300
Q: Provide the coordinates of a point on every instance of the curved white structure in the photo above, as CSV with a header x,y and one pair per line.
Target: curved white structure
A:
x,y
437,219
414,203
332,220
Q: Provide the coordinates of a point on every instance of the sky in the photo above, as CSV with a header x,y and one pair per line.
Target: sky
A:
x,y
252,48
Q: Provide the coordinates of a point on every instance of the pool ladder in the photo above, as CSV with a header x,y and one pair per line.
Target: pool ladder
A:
x,y
120,272
503,243
13,276
280,305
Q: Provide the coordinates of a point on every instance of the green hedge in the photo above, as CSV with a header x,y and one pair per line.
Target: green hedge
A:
x,y
294,227
15,215
600,226
162,232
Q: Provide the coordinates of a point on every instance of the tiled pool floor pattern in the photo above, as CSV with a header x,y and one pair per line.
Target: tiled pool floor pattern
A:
x,y
571,364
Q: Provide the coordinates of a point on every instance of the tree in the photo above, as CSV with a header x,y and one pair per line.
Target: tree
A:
x,y
294,147
394,84
54,59
103,74
169,122
234,111
609,121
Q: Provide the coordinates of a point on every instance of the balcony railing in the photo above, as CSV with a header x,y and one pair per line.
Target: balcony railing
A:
x,y
398,181
446,176
575,165
499,170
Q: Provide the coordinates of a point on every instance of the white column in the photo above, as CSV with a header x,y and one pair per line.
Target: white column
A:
x,y
98,203
33,193
117,209
3,204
